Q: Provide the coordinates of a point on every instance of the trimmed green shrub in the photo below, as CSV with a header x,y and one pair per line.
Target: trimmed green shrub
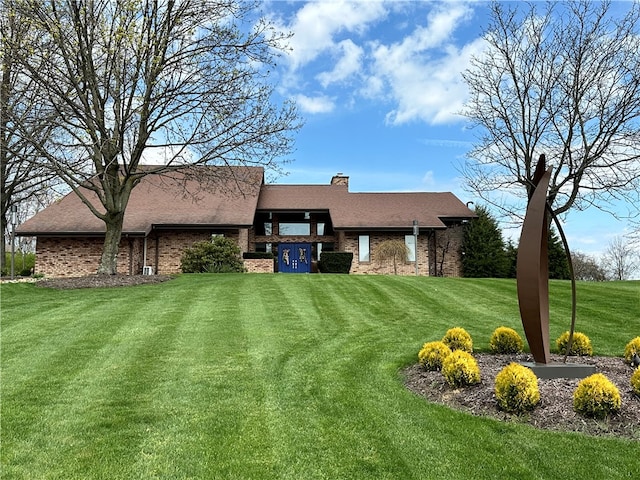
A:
x,y
220,255
596,397
505,340
457,338
433,354
257,255
635,381
517,389
581,345
632,347
335,262
460,369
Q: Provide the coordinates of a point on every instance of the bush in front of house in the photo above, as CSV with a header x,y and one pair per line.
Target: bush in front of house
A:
x,y
632,347
220,255
457,338
505,340
335,262
461,369
581,345
597,397
517,389
432,355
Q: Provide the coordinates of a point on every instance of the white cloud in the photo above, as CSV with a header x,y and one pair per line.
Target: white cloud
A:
x,y
445,143
319,104
316,24
423,70
419,74
428,180
350,62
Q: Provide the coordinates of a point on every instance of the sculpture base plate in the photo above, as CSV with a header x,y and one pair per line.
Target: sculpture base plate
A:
x,y
560,370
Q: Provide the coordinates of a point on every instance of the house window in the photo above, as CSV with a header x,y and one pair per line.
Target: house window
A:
x,y
320,229
410,242
295,229
268,228
264,247
363,248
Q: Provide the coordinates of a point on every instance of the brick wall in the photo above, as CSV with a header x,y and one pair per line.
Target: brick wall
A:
x,y
60,257
448,245
259,265
164,249
75,257
447,253
79,256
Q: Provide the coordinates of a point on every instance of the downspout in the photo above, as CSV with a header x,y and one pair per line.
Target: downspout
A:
x,y
157,254
130,256
144,254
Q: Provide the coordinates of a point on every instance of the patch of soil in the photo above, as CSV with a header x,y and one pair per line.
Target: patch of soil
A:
x,y
555,411
99,281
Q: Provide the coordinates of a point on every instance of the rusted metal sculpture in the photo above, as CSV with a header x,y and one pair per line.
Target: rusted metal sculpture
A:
x,y
533,281
533,267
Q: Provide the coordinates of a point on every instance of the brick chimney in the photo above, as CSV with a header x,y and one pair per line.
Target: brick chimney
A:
x,y
340,179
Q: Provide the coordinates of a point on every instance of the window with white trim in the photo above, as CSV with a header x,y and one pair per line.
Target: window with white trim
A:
x,y
410,242
364,254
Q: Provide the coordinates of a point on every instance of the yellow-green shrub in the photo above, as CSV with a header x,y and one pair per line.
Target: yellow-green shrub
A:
x,y
596,397
457,338
581,345
505,340
517,388
460,369
433,354
632,347
635,381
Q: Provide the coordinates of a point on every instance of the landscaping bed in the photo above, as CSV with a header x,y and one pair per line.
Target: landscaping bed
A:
x,y
100,281
555,411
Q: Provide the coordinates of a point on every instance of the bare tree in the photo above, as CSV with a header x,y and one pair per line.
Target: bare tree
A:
x,y
186,80
25,183
620,259
560,80
586,268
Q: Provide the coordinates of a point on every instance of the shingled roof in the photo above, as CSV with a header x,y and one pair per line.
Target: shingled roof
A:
x,y
367,210
215,197
188,200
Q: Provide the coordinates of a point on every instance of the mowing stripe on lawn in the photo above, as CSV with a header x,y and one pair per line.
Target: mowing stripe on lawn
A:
x,y
271,376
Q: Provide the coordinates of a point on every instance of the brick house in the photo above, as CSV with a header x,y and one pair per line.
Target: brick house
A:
x,y
168,213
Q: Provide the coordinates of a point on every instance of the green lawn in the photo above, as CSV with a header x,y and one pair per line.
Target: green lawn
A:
x,y
277,377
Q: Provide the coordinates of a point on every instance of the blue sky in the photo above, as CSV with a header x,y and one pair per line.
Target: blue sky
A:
x,y
378,84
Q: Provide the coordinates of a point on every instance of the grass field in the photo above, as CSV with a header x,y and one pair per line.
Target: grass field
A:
x,y
277,377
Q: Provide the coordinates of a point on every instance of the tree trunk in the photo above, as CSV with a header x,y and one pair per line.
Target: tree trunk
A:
x,y
3,254
109,260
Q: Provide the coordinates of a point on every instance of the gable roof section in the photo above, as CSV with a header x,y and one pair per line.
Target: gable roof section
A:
x,y
366,210
181,199
398,210
301,197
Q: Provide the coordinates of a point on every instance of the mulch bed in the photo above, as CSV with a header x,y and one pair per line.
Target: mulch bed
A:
x,y
555,411
99,281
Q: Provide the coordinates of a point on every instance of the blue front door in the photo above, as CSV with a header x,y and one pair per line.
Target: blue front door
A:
x,y
294,257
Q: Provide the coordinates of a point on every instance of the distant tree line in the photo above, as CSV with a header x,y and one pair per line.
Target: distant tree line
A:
x,y
485,254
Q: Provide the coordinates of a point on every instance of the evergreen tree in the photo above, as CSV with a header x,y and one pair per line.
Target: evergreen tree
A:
x,y
511,252
483,247
558,263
